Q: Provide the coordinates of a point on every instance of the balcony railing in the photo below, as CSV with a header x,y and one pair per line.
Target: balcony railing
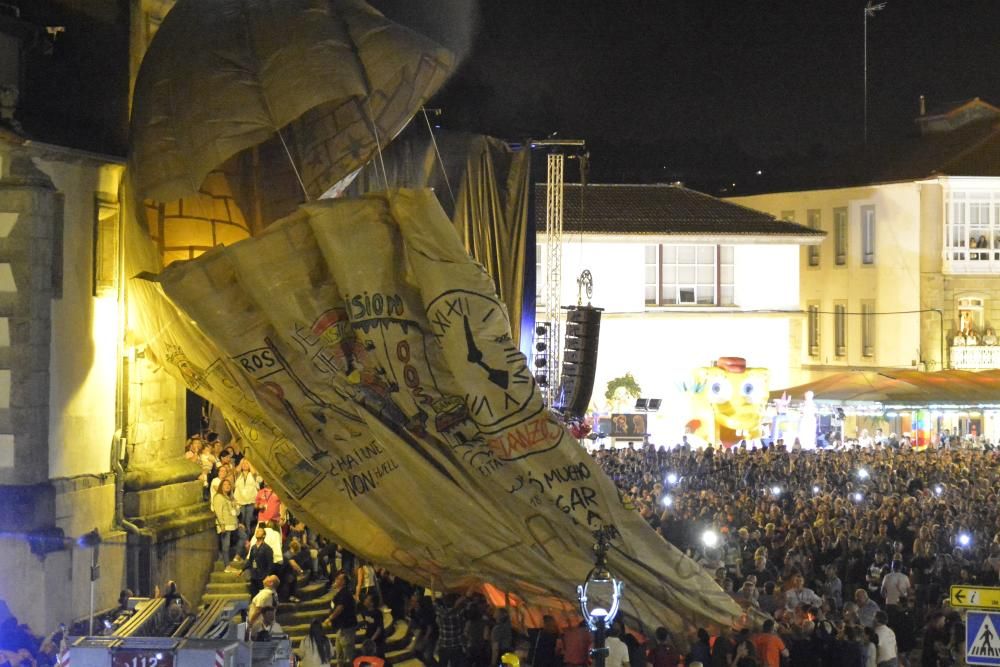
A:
x,y
975,357
960,260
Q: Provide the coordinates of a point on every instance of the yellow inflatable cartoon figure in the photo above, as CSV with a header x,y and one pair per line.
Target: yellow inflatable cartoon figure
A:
x,y
728,401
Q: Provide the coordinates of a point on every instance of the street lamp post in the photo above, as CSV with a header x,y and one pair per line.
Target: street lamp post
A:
x,y
92,541
870,10
600,597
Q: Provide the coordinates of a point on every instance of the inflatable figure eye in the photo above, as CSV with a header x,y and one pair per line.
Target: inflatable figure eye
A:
x,y
719,390
751,390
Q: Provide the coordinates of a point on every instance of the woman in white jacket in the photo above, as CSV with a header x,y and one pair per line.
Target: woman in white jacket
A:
x,y
226,510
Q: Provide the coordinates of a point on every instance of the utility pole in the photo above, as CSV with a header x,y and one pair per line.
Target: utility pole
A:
x,y
870,10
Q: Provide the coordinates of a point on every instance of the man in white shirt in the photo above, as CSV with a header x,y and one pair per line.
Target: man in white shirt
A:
x,y
799,594
885,654
272,537
617,651
895,585
867,608
267,597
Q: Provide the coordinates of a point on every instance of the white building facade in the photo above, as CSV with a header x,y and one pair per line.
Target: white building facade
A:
x,y
683,279
908,275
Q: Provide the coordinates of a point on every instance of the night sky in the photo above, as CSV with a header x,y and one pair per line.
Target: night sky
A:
x,y
705,88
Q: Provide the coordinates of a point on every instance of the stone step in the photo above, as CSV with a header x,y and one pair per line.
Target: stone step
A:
x,y
398,643
209,597
227,587
399,634
407,661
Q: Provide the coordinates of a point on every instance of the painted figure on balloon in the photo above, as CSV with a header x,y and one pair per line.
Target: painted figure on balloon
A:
x,y
727,402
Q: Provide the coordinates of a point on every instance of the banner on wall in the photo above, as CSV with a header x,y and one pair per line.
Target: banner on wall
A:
x,y
367,365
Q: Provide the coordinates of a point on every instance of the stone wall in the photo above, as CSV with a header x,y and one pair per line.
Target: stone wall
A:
x,y
30,248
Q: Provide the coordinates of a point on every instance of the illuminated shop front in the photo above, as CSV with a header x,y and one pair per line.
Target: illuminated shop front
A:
x,y
869,406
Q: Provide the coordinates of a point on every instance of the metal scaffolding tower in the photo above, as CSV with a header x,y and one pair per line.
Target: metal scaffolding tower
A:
x,y
553,268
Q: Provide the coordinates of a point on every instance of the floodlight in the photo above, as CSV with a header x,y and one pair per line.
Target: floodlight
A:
x,y
710,538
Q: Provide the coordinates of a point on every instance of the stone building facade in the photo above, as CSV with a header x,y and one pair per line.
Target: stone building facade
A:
x,y
91,430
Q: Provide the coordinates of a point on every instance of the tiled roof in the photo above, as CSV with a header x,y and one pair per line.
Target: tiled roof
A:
x,y
662,210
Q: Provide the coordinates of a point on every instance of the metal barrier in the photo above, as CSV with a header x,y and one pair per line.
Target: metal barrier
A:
x,y
143,620
178,652
216,620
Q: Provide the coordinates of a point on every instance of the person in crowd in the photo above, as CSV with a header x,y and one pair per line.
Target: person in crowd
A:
x,y
476,634
374,624
295,564
268,504
366,581
662,653
192,450
245,488
450,622
259,561
272,535
209,466
935,650
501,636
745,655
267,596
886,655
701,649
768,646
423,624
343,619
267,625
315,649
617,650
867,608
798,594
227,524
547,649
576,646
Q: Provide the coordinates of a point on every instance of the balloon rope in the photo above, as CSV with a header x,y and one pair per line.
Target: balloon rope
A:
x,y
298,176
378,143
437,152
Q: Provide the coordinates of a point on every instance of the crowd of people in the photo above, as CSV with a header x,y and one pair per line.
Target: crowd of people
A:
x,y
848,554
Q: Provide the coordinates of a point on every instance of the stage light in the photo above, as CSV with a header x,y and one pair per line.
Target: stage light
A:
x,y
540,362
671,478
541,346
667,501
710,538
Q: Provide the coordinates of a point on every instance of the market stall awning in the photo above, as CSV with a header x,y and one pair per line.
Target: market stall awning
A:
x,y
903,387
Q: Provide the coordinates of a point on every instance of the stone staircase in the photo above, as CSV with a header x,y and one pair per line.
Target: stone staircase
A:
x,y
295,617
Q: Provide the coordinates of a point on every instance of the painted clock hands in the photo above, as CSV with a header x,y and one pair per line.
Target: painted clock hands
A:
x,y
497,376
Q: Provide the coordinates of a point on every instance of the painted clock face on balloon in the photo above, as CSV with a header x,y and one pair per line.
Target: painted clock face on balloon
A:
x,y
474,330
